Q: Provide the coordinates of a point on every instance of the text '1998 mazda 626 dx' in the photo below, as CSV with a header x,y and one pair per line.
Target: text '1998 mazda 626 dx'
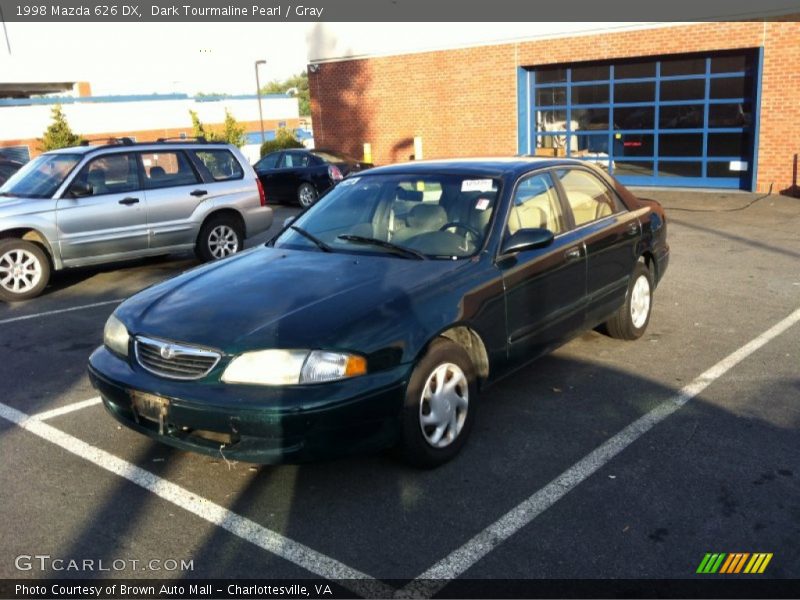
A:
x,y
378,315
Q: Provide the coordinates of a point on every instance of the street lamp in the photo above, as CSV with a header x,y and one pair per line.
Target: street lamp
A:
x,y
258,93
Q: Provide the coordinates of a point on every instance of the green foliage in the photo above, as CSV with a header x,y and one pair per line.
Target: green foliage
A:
x,y
232,132
58,134
283,139
298,82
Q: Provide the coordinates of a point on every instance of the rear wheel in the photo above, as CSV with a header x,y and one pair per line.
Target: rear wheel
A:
x,y
306,195
630,321
24,270
220,236
440,404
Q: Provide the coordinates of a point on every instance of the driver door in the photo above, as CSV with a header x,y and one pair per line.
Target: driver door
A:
x,y
111,220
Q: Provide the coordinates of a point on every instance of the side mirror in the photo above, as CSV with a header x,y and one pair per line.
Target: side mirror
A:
x,y
527,239
79,190
288,221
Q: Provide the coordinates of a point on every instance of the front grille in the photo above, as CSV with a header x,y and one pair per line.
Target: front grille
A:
x,y
173,360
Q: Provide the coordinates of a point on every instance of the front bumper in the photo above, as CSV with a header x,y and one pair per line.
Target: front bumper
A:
x,y
255,423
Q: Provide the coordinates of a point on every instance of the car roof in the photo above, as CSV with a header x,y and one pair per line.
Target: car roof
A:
x,y
143,146
515,166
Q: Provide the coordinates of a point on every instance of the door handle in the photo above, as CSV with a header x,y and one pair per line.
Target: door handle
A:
x,y
129,201
198,193
572,254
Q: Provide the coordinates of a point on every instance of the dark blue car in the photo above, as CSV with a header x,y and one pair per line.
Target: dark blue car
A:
x,y
378,317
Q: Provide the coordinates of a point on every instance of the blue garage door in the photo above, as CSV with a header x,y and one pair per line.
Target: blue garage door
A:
x,y
685,120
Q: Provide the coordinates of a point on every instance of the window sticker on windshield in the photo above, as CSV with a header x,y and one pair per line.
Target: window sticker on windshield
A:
x,y
482,204
476,185
349,181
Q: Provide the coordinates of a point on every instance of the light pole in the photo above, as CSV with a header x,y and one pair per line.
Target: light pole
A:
x,y
258,93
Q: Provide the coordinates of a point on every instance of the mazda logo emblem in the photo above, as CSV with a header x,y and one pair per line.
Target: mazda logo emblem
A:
x,y
167,352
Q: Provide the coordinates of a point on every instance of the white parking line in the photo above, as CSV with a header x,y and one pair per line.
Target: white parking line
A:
x,y
459,561
57,412
248,530
58,312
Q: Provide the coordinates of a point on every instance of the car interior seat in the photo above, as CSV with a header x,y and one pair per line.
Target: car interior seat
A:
x,y
97,180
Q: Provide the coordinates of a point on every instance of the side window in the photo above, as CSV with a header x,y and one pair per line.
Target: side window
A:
x,y
270,161
588,197
167,169
535,204
293,160
221,164
110,174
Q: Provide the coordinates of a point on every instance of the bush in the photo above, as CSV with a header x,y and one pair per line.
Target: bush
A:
x,y
283,139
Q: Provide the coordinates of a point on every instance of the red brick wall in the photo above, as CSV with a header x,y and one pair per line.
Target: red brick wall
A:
x,y
464,102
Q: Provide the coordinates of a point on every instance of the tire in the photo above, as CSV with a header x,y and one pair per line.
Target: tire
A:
x,y
306,195
630,321
24,270
419,424
221,236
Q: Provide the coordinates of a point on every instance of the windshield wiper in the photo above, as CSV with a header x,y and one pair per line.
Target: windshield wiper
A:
x,y
401,250
320,244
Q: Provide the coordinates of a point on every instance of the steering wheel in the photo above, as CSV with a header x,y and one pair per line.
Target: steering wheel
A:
x,y
458,225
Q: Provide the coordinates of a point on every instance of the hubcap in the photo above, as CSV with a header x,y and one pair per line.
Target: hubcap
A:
x,y
640,301
306,195
443,405
222,241
20,271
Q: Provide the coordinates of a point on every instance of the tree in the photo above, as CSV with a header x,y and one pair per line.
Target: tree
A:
x,y
284,139
232,132
59,134
298,85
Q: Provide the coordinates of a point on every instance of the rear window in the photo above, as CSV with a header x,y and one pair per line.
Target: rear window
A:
x,y
222,164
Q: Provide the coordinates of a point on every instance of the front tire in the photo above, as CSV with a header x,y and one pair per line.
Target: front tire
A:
x,y
221,236
440,404
307,195
24,270
630,321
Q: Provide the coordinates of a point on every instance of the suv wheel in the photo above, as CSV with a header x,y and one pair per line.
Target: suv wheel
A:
x,y
24,270
306,195
220,236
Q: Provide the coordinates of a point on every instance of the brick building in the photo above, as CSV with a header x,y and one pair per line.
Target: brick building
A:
x,y
711,104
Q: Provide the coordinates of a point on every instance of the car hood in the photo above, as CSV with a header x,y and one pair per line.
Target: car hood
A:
x,y
11,206
275,298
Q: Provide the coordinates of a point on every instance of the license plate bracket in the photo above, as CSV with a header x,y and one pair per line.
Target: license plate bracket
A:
x,y
151,407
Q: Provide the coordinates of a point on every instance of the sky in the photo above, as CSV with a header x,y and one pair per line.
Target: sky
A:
x,y
122,58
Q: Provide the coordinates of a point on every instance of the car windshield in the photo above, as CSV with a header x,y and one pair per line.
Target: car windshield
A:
x,y
406,216
330,157
41,177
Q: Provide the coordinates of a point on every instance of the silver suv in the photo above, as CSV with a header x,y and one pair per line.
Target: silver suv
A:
x,y
97,204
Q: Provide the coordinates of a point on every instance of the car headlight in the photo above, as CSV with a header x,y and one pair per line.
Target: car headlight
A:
x,y
116,336
293,367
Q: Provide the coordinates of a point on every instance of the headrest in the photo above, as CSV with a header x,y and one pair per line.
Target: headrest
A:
x,y
157,172
427,216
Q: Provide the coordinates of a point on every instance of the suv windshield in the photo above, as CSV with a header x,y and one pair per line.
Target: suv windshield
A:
x,y
41,177
407,216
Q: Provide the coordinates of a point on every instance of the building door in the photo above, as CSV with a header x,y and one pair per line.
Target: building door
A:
x,y
680,120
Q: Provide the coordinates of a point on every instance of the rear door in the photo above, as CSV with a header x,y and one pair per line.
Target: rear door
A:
x,y
545,288
291,172
109,222
611,234
174,189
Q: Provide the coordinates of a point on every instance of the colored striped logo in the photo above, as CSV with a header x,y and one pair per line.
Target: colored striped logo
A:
x,y
737,562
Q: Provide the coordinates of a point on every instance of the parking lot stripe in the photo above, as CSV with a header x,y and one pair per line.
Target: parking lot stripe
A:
x,y
460,560
290,550
57,412
58,311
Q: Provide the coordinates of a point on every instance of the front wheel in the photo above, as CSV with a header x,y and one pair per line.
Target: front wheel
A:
x,y
440,404
630,321
306,195
220,237
24,270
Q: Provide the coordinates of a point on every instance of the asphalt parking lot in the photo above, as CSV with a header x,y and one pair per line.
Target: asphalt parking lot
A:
x,y
606,459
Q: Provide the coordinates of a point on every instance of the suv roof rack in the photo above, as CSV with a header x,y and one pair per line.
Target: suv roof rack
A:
x,y
110,141
188,139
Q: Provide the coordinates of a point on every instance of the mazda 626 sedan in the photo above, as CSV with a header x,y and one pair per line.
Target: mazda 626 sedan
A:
x,y
376,318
